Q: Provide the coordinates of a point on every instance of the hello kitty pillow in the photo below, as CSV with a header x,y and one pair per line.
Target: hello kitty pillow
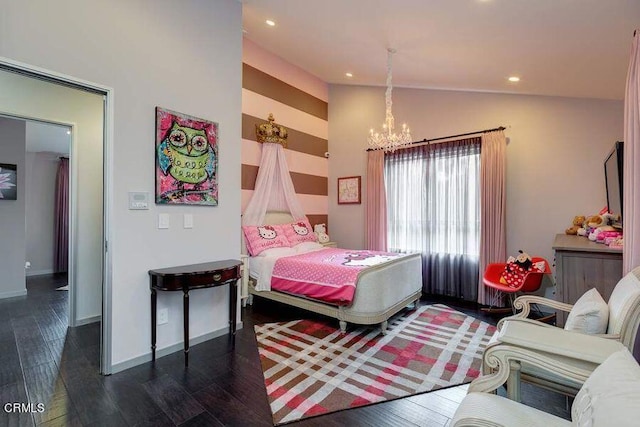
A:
x,y
299,231
261,237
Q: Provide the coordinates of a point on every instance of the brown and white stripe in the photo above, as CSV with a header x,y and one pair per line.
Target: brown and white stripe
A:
x,y
298,101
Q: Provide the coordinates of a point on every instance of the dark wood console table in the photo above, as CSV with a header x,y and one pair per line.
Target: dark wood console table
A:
x,y
197,276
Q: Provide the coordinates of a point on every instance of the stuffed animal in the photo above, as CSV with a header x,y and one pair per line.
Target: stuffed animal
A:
x,y
577,223
321,232
516,269
590,224
617,243
595,234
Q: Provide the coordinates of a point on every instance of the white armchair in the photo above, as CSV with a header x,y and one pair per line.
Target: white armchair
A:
x,y
608,397
575,353
624,309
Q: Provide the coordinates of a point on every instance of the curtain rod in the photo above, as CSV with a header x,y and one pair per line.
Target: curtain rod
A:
x,y
448,137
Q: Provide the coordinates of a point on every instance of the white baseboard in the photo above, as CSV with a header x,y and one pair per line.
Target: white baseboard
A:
x,y
88,320
161,352
13,294
39,272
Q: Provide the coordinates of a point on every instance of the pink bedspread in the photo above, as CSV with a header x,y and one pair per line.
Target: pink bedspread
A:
x,y
329,274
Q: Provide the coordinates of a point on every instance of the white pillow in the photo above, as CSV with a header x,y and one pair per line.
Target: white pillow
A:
x,y
307,247
277,252
610,395
589,315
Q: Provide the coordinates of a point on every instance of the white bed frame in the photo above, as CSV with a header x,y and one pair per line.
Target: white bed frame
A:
x,y
381,291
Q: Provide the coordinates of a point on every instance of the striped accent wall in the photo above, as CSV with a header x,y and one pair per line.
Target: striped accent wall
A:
x,y
298,101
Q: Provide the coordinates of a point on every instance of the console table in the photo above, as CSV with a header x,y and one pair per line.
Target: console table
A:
x,y
196,276
581,265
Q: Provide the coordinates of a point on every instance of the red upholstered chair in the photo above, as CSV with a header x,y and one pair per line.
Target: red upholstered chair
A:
x,y
531,283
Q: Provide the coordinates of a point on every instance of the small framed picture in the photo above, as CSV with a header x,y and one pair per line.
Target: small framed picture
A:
x,y
8,182
349,190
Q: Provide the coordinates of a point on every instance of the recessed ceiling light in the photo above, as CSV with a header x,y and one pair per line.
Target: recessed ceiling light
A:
x,y
270,23
514,79
348,75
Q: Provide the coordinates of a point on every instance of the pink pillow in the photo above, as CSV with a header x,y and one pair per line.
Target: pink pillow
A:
x,y
261,237
298,232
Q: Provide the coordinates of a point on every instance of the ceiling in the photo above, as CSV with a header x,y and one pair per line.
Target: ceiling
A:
x,y
574,48
47,137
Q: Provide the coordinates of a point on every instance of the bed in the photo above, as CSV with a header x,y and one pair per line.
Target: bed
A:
x,y
381,291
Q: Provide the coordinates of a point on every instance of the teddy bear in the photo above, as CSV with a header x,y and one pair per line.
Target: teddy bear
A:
x,y
590,224
321,232
578,220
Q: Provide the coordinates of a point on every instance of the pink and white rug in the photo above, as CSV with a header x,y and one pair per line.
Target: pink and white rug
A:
x,y
310,368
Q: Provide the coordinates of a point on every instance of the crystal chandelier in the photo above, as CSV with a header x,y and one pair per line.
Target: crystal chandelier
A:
x,y
387,139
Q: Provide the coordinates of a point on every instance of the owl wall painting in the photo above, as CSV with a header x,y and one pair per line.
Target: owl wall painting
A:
x,y
186,159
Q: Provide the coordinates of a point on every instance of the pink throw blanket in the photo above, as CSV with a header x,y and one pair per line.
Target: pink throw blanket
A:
x,y
329,274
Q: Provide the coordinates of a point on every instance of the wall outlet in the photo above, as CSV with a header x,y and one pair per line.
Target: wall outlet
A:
x,y
163,316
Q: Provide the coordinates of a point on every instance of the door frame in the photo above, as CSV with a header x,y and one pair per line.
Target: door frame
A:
x,y
108,97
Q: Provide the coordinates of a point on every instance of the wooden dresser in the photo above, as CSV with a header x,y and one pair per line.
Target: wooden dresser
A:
x,y
581,265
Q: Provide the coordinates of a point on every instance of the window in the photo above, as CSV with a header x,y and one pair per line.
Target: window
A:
x,y
434,208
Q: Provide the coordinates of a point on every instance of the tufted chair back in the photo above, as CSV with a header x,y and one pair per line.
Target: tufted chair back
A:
x,y
624,308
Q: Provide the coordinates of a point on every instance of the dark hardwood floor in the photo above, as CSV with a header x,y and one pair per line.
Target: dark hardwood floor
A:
x,y
44,362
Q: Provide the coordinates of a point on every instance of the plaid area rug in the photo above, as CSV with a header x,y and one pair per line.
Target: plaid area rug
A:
x,y
310,368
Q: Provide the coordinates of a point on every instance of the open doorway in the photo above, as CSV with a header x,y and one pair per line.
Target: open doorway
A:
x,y
34,95
47,194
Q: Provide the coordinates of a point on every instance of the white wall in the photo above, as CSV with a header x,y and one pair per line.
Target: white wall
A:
x,y
185,56
12,151
555,155
40,184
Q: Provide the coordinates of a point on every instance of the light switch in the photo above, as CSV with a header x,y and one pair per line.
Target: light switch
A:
x,y
188,221
163,220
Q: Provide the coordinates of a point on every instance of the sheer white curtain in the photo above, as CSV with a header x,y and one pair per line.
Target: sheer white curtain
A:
x,y
434,208
274,189
631,205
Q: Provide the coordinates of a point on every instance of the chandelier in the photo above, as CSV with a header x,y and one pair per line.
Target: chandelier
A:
x,y
387,140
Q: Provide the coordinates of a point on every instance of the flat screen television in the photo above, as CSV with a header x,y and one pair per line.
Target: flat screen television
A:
x,y
613,170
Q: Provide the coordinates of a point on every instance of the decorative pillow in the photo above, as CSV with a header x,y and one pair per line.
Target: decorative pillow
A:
x,y
299,231
261,237
589,315
610,395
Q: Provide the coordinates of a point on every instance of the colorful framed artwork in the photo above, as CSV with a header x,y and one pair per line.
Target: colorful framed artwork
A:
x,y
8,181
349,190
186,159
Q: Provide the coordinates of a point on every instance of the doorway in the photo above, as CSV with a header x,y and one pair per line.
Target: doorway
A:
x,y
35,94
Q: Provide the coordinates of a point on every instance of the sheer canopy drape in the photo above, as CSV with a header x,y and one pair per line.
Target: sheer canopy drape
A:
x,y
433,208
376,233
61,218
631,196
493,236
274,189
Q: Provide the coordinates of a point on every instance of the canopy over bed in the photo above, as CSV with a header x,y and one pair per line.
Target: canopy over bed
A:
x,y
274,189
